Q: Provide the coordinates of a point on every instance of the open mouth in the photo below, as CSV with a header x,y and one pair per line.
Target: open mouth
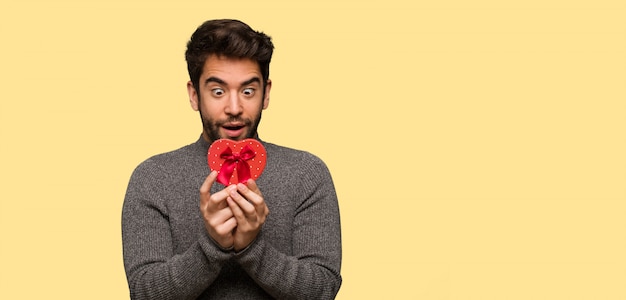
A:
x,y
233,127
233,131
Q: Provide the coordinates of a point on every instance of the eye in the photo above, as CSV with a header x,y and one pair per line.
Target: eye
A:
x,y
217,92
248,91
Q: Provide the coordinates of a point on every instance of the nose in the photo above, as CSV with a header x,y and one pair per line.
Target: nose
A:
x,y
234,105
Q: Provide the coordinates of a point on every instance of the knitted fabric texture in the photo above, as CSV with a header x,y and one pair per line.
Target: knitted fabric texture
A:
x,y
169,255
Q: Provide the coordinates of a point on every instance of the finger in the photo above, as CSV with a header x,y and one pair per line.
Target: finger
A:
x,y
222,215
205,189
216,219
251,184
208,182
251,192
243,204
226,227
237,212
217,200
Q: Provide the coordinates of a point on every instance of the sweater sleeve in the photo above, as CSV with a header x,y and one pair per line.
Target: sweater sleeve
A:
x,y
313,271
152,269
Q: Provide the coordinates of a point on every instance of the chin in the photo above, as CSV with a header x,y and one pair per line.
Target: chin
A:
x,y
236,138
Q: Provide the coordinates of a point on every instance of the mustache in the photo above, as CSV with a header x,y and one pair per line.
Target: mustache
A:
x,y
234,120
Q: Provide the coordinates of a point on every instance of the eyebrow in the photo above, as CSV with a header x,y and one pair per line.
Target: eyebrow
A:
x,y
251,80
220,81
214,79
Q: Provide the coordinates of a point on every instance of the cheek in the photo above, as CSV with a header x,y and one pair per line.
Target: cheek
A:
x,y
255,106
210,108
253,111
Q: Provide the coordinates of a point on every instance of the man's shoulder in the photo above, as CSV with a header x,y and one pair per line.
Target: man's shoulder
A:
x,y
288,153
292,157
293,167
170,161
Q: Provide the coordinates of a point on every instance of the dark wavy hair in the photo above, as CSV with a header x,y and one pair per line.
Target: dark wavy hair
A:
x,y
229,38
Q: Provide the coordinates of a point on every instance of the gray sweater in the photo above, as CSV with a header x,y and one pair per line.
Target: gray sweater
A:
x,y
169,255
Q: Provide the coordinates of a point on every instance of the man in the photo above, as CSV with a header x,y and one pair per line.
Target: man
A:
x,y
187,237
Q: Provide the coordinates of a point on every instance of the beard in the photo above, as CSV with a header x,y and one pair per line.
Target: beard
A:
x,y
211,127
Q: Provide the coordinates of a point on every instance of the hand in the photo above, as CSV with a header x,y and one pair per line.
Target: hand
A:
x,y
250,211
219,220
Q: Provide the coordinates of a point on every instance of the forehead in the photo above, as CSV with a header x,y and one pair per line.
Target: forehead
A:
x,y
230,69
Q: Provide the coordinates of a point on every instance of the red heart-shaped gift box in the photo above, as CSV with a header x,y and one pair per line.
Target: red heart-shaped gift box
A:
x,y
236,161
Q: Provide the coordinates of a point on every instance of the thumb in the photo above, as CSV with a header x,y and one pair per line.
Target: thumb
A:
x,y
208,182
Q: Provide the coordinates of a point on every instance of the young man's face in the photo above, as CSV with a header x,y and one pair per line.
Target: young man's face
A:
x,y
229,98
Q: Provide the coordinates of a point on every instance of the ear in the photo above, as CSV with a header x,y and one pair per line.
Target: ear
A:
x,y
266,100
193,96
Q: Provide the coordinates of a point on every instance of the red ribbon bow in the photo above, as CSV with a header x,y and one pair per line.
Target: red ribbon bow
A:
x,y
233,160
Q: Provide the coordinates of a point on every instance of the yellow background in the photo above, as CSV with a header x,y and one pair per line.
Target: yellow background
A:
x,y
478,147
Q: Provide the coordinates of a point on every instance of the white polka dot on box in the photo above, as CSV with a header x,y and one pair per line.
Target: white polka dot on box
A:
x,y
236,161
